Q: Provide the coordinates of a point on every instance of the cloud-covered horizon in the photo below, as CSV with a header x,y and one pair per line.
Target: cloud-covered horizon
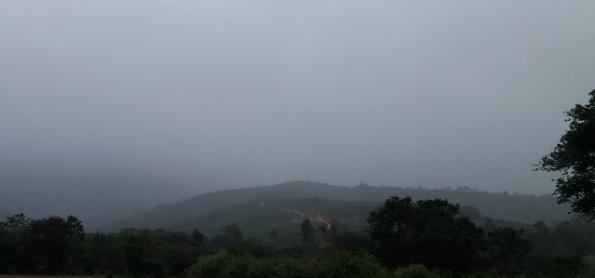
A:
x,y
431,93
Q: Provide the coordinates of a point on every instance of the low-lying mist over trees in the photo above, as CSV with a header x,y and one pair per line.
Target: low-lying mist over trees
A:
x,y
297,139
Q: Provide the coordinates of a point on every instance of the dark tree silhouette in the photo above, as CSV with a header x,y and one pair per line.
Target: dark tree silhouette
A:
x,y
568,266
307,231
52,241
404,232
232,232
574,157
506,248
197,237
15,222
229,236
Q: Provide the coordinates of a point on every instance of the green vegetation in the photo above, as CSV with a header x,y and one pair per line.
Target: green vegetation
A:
x,y
282,215
403,238
574,157
333,264
405,232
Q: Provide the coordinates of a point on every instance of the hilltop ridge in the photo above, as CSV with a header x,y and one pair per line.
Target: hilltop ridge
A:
x,y
521,208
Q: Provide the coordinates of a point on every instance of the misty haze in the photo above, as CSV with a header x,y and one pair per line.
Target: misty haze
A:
x,y
222,138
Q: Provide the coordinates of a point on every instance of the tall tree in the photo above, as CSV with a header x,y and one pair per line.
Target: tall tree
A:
x,y
506,248
307,231
574,158
232,232
229,236
430,232
53,240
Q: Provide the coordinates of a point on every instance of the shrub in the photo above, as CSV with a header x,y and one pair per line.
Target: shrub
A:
x,y
331,265
415,271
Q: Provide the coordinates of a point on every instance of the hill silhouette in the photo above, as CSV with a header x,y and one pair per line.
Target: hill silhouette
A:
x,y
260,217
522,208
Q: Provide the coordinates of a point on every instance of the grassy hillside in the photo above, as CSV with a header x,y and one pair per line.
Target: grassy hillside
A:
x,y
508,207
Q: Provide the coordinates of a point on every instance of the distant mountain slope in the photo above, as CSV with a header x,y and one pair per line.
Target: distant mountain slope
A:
x,y
258,218
511,207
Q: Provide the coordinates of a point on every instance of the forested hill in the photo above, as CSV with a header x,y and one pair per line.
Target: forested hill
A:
x,y
258,219
512,207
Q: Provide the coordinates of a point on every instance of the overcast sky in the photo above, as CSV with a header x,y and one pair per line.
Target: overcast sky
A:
x,y
239,93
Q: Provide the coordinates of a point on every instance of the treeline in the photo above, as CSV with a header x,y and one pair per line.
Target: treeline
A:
x,y
405,238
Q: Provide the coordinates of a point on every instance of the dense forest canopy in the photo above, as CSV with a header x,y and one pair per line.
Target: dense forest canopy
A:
x,y
404,238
